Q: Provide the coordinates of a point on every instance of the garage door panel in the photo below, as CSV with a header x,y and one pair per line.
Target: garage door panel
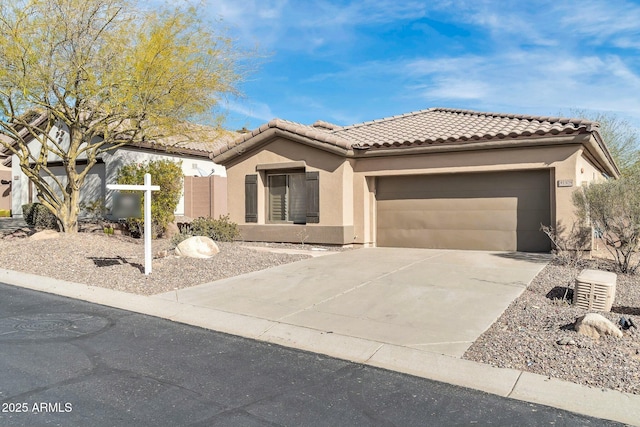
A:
x,y
530,220
527,200
493,211
533,238
450,219
444,239
487,183
448,204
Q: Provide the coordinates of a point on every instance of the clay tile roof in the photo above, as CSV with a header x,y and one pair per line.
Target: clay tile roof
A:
x,y
437,125
325,125
194,138
431,126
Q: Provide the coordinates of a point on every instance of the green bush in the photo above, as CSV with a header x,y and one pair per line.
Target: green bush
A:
x,y
5,213
168,175
220,230
37,215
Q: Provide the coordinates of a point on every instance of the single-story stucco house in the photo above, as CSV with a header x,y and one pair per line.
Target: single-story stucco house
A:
x,y
436,178
194,155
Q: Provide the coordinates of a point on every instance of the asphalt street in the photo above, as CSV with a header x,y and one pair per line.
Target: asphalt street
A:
x,y
71,363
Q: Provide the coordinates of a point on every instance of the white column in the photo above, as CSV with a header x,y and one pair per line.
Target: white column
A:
x,y
148,258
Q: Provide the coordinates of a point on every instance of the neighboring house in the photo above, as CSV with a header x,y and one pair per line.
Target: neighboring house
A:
x,y
437,178
196,162
5,184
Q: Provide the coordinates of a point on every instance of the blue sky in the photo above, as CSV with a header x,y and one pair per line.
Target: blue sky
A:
x,y
347,62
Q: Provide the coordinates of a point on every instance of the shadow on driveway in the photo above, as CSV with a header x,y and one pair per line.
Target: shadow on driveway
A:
x,y
538,258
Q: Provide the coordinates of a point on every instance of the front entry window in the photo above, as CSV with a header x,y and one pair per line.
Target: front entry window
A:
x,y
288,198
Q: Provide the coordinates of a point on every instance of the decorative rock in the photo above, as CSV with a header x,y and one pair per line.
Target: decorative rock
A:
x,y
565,341
162,254
197,247
594,325
45,235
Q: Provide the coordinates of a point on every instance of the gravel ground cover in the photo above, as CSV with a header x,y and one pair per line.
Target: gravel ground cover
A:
x,y
527,335
117,262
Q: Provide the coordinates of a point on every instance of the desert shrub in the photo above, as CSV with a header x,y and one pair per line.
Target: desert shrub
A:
x,y
569,246
180,237
613,209
93,210
220,230
37,215
168,175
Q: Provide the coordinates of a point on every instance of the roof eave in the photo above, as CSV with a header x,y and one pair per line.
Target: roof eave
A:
x,y
24,134
168,149
602,153
474,145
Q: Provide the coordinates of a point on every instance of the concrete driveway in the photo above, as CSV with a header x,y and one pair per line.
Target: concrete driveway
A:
x,y
432,300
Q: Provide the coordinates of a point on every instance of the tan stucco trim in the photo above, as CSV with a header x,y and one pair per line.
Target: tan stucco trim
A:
x,y
294,233
267,136
475,145
284,165
598,150
593,143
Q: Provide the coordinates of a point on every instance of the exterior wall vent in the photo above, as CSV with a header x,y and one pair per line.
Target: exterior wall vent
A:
x,y
595,290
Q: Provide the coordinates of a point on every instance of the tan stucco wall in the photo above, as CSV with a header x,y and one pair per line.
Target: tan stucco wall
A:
x,y
347,185
560,159
336,198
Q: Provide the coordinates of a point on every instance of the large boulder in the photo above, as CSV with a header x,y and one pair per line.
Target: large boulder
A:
x,y
45,235
595,325
197,247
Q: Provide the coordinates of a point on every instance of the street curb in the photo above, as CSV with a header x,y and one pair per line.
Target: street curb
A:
x,y
600,403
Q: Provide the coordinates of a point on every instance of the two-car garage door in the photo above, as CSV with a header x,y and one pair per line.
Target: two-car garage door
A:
x,y
486,211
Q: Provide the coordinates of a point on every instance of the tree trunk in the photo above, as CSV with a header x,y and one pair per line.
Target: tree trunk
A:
x,y
68,215
68,210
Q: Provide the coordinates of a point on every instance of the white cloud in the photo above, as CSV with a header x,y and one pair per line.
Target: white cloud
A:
x,y
250,109
542,80
601,21
252,22
305,26
457,89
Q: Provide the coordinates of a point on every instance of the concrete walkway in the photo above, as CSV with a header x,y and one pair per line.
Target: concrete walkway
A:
x,y
412,311
12,224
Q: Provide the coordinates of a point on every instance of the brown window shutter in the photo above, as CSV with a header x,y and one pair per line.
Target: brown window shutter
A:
x,y
313,197
251,198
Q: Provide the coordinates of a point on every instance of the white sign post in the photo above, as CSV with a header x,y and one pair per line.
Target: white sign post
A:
x,y
147,188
